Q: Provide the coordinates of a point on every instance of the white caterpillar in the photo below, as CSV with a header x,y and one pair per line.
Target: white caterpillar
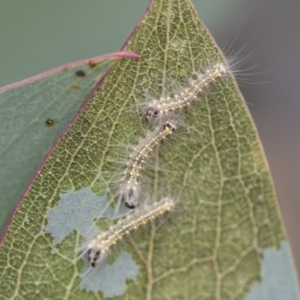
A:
x,y
99,247
130,183
156,109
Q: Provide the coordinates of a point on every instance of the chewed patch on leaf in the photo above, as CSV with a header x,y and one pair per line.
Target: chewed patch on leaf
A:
x,y
79,211
76,210
110,279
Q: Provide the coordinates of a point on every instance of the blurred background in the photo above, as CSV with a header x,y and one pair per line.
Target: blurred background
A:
x,y
39,35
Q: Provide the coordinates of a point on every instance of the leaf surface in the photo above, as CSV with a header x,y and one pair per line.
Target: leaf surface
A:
x,y
213,245
33,113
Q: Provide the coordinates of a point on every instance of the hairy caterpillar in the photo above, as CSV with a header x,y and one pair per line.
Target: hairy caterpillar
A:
x,y
129,186
99,247
156,109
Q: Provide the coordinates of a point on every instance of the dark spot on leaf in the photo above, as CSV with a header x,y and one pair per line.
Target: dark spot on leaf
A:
x,y
80,73
75,87
49,122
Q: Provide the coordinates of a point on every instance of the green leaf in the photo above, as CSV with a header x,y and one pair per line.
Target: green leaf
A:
x,y
226,224
33,114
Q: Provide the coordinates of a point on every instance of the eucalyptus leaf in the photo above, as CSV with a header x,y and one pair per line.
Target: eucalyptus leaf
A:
x,y
226,221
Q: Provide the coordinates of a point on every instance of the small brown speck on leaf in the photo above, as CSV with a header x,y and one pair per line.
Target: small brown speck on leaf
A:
x,y
49,122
